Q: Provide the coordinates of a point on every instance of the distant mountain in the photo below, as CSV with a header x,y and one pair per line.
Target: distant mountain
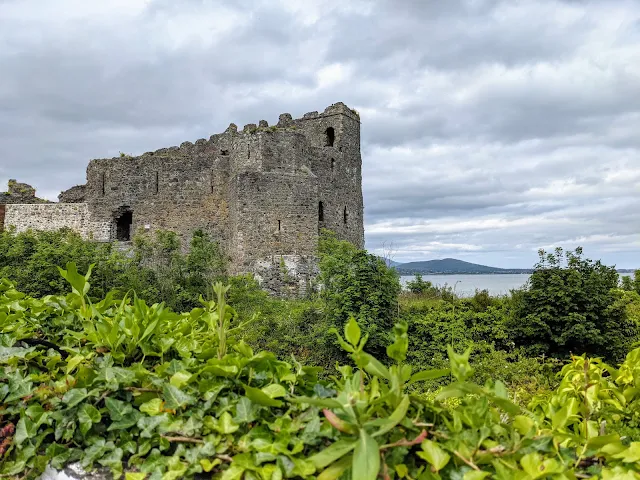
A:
x,y
451,265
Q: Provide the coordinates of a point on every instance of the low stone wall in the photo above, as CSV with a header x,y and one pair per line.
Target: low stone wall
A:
x,y
285,275
54,216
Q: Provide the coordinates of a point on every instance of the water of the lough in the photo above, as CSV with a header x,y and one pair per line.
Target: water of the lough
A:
x,y
466,285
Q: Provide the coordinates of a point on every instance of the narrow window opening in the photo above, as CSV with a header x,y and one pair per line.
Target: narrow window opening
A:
x,y
320,212
248,152
123,226
157,185
333,164
278,225
103,182
344,215
331,136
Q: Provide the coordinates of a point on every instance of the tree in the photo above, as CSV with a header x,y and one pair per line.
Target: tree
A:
x,y
356,283
418,285
569,307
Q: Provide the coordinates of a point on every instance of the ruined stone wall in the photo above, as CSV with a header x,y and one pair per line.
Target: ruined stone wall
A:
x,y
55,216
20,193
263,192
181,189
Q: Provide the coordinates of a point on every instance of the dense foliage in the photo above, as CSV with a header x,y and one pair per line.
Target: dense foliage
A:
x,y
156,394
357,283
570,306
156,268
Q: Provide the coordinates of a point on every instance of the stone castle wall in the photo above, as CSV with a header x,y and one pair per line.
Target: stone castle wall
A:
x,y
263,192
55,216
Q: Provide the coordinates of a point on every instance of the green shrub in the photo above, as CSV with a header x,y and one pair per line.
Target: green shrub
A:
x,y
569,306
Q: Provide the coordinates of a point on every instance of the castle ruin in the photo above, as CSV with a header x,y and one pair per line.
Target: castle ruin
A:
x,y
264,193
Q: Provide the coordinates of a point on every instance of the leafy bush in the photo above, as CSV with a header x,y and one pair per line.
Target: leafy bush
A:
x,y
418,285
570,307
356,283
173,395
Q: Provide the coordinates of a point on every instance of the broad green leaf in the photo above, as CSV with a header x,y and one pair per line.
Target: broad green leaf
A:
x,y
258,396
74,396
232,473
275,390
317,402
73,362
24,429
475,475
207,465
88,415
135,476
352,332
332,453
245,411
152,407
434,454
179,379
226,425
174,398
366,458
631,454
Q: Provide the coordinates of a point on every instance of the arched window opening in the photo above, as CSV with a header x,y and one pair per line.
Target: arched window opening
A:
x,y
331,136
344,215
123,226
333,164
320,212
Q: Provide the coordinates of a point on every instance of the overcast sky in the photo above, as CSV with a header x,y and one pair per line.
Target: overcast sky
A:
x,y
489,128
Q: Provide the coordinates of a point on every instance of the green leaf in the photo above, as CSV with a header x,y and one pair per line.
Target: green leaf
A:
x,y
136,475
375,367
226,425
317,402
352,331
74,397
396,417
434,454
475,475
174,398
366,458
152,407
335,471
258,396
429,375
73,362
275,390
179,379
88,415
24,429
245,411
332,453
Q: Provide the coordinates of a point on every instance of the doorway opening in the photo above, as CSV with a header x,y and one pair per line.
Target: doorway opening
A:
x,y
123,226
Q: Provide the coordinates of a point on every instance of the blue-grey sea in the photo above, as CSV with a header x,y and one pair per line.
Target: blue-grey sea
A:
x,y
466,285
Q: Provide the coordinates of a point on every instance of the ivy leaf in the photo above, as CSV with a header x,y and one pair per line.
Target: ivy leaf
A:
x,y
73,362
275,390
226,425
152,407
175,398
117,408
434,454
26,428
147,425
245,411
179,379
74,397
88,415
136,475
366,458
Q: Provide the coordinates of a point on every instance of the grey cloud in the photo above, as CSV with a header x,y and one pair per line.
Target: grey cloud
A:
x,y
489,128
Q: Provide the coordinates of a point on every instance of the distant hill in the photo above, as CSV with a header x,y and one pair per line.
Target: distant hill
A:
x,y
451,265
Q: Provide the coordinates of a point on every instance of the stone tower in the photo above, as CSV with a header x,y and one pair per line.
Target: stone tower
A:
x,y
264,193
